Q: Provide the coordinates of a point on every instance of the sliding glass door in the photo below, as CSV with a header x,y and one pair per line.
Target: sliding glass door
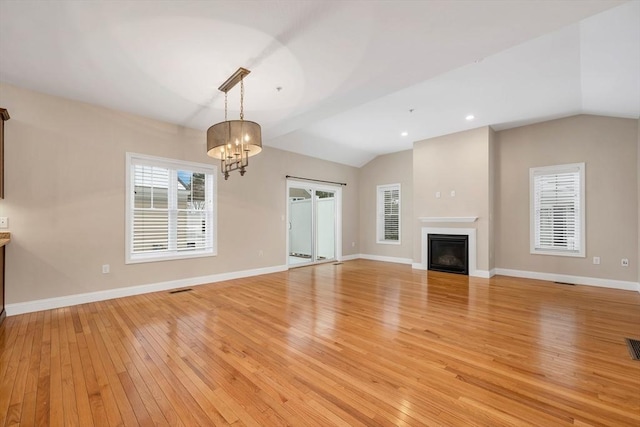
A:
x,y
313,215
300,226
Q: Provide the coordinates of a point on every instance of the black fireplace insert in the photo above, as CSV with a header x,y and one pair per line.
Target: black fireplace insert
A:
x,y
449,253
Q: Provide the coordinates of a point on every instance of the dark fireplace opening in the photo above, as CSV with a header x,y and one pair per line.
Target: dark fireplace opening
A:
x,y
449,253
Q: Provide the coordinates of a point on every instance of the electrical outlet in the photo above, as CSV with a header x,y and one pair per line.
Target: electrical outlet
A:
x,y
260,252
353,244
105,268
624,262
4,222
453,193
437,194
596,260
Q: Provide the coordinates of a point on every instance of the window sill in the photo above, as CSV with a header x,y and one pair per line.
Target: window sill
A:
x,y
580,254
169,257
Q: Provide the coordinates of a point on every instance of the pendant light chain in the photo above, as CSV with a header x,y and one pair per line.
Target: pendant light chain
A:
x,y
241,99
225,106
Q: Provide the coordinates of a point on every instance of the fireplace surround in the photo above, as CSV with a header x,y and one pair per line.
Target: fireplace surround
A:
x,y
448,253
470,232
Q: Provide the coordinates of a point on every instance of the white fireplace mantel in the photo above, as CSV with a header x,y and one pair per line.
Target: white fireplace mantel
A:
x,y
470,232
466,219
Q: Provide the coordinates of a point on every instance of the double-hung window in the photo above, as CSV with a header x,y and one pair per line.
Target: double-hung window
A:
x,y
388,215
171,211
558,210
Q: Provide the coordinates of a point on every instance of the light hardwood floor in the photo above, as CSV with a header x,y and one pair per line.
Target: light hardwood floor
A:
x,y
359,344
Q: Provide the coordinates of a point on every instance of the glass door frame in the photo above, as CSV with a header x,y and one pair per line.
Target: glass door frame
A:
x,y
337,190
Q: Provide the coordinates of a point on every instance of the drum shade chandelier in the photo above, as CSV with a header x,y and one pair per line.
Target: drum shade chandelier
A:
x,y
234,141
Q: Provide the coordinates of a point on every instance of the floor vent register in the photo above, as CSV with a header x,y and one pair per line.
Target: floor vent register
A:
x,y
634,348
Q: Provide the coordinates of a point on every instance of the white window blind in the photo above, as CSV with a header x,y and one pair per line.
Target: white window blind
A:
x,y
170,209
557,203
388,215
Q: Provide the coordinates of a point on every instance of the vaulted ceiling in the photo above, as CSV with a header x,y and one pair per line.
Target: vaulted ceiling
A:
x,y
338,80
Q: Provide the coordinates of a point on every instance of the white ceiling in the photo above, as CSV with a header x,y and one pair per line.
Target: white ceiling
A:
x,y
350,71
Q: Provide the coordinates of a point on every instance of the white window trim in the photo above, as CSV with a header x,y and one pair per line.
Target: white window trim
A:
x,y
548,170
379,215
212,178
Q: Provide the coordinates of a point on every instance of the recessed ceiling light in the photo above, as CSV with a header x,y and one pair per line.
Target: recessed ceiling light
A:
x,y
470,117
404,133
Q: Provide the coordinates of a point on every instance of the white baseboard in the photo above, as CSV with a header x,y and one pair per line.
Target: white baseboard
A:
x,y
480,273
69,300
350,257
577,280
396,260
475,273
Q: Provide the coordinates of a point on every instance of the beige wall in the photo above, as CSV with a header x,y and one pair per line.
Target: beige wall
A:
x,y
65,179
395,168
609,147
638,173
458,162
492,184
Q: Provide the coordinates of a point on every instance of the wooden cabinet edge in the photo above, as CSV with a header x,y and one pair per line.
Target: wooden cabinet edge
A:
x,y
4,115
3,313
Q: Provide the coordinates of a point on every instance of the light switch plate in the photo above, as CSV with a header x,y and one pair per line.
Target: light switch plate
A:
x,y
4,222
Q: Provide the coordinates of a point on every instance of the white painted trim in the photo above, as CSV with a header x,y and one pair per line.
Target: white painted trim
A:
x,y
69,300
478,273
552,170
379,215
173,165
473,250
482,273
578,280
467,219
296,183
396,260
